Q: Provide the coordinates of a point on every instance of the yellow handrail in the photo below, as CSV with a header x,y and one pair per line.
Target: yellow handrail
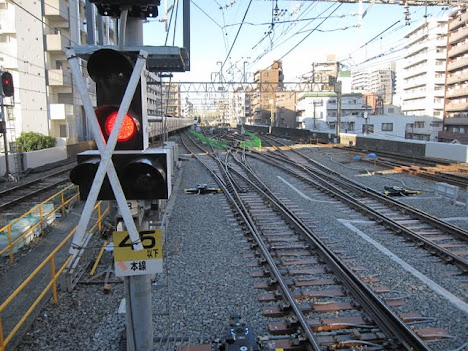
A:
x,y
64,202
53,282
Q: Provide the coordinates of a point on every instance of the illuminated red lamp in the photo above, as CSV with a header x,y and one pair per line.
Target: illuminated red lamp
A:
x,y
127,130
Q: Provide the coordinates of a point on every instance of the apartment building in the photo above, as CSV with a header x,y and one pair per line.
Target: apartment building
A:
x,y
318,111
32,45
153,94
423,70
455,124
171,99
269,82
377,82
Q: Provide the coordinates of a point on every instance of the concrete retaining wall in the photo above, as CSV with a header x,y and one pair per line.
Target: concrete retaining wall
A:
x,y
407,148
306,135
455,152
33,159
74,149
414,148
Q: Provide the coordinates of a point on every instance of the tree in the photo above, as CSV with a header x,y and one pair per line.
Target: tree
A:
x,y
31,141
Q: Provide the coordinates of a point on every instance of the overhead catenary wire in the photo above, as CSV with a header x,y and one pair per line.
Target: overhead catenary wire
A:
x,y
291,36
207,15
238,31
392,48
305,37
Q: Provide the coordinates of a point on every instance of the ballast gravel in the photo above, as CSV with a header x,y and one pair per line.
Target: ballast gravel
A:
x,y
433,289
206,279
205,282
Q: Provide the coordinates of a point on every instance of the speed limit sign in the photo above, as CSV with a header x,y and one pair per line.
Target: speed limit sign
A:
x,y
130,262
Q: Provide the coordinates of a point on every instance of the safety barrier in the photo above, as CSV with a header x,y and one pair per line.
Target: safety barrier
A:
x,y
66,197
209,141
255,142
53,278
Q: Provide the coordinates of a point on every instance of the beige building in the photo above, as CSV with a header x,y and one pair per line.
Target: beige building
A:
x,y
269,82
455,125
32,45
171,100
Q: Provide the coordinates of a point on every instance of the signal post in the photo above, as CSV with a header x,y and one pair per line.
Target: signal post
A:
x,y
123,168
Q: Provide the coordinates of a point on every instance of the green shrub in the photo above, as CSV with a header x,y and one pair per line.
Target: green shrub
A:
x,y
31,141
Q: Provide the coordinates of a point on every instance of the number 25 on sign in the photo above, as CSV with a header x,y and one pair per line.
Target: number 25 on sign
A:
x,y
130,262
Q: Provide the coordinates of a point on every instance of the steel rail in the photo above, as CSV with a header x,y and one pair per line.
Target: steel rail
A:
x,y
381,314
21,198
355,203
452,229
242,211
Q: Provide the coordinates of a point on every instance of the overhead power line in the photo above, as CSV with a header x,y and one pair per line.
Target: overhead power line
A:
x,y
238,31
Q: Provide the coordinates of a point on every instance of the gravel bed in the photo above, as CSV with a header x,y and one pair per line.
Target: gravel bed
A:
x,y
205,282
363,172
331,217
31,175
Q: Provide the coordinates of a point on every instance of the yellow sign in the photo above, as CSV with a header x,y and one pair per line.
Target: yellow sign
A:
x,y
150,239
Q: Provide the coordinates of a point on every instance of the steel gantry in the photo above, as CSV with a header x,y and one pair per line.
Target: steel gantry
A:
x,y
231,87
452,3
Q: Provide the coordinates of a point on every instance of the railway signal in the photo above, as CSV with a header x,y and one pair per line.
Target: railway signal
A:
x,y
111,70
7,84
142,172
144,175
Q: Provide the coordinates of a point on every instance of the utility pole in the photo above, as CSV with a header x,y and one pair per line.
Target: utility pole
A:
x,y
139,317
5,139
337,89
316,103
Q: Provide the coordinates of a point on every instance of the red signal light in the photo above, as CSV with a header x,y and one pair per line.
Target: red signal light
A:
x,y
7,84
128,129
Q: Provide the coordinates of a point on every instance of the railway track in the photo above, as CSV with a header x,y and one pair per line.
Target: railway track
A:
x,y
441,238
322,302
435,170
31,190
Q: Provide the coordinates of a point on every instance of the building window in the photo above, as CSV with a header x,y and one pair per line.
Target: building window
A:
x,y
419,124
63,130
370,128
387,127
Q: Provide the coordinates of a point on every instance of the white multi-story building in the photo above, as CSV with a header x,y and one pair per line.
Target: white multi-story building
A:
x,y
395,127
379,82
239,102
422,72
33,38
318,111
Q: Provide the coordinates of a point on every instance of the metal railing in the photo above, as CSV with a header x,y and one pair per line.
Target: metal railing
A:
x,y
52,284
64,202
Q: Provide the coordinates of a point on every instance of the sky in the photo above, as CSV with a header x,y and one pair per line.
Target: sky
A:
x,y
238,34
